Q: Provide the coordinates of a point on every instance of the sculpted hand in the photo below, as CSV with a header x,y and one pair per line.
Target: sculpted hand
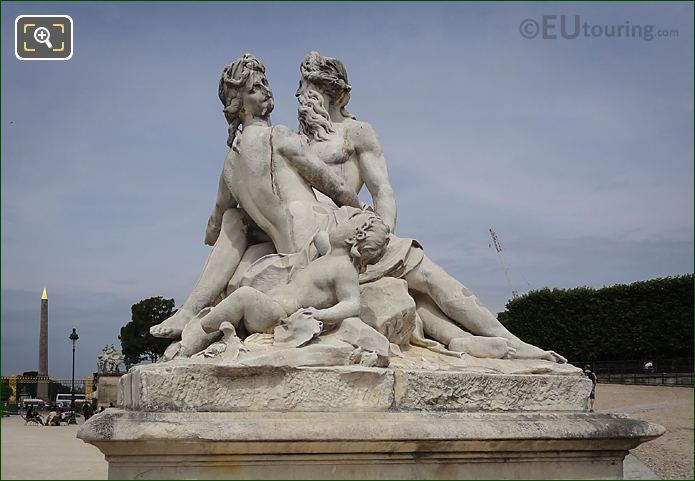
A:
x,y
367,207
313,312
212,231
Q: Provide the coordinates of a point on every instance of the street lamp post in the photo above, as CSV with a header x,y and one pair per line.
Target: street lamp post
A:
x,y
73,337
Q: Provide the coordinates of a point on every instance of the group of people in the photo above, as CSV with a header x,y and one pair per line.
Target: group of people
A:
x,y
57,415
54,418
32,414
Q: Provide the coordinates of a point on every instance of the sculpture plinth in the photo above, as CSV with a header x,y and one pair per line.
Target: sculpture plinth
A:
x,y
192,421
188,387
365,445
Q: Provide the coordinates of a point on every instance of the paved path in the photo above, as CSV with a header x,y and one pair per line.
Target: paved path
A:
x,y
40,452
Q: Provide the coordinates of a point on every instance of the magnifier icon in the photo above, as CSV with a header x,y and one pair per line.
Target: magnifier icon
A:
x,y
43,35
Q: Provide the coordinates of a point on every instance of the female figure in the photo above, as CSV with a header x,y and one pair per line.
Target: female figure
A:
x,y
266,183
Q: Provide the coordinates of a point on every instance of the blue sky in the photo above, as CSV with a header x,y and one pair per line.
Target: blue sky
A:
x,y
579,153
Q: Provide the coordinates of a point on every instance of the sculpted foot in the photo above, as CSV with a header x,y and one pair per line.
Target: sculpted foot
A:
x,y
528,351
555,357
483,347
511,351
172,327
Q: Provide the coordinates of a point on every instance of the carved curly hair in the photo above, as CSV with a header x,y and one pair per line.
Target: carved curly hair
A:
x,y
233,79
368,243
330,74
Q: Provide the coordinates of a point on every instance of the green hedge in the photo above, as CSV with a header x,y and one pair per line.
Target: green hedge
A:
x,y
648,319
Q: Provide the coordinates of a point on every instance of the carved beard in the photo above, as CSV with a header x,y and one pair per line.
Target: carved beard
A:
x,y
314,121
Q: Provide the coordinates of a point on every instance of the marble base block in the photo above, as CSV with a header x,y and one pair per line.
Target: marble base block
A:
x,y
185,386
364,445
107,389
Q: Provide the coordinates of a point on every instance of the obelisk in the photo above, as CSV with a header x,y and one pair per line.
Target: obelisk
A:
x,y
42,387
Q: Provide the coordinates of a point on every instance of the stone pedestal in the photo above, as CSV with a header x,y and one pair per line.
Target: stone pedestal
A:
x,y
107,389
190,386
195,421
375,445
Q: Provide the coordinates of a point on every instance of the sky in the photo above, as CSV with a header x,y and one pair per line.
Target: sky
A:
x,y
577,152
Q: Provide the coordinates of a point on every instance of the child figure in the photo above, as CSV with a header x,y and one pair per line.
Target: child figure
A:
x,y
327,289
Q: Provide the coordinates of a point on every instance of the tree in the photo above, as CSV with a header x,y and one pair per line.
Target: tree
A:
x,y
137,344
7,392
644,320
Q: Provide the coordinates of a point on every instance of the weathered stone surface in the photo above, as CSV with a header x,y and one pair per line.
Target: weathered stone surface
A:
x,y
391,445
325,352
182,386
454,391
388,308
415,357
359,334
107,389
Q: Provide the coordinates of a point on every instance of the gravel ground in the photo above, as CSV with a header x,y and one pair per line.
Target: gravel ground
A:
x,y
35,452
40,452
671,455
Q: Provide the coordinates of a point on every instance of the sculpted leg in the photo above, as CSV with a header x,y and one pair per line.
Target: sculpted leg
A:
x,y
218,269
437,326
259,312
193,338
460,305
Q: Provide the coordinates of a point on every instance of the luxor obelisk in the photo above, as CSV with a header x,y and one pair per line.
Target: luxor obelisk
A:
x,y
42,387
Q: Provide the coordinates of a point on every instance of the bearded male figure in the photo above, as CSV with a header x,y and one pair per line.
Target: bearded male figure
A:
x,y
351,150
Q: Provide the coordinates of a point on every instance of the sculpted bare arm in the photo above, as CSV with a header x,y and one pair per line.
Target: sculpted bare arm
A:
x,y
294,149
373,171
224,200
347,290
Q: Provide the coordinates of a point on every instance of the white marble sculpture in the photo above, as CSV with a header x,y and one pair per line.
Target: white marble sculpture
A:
x,y
110,360
317,338
279,190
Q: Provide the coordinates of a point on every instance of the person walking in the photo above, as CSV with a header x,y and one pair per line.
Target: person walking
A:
x,y
592,395
86,410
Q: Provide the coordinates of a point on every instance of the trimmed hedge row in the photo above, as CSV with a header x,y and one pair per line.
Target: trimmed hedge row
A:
x,y
647,319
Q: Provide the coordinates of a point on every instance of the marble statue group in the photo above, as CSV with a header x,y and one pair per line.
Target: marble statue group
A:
x,y
110,360
302,272
318,344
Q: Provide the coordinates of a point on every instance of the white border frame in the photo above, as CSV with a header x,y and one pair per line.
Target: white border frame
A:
x,y
72,32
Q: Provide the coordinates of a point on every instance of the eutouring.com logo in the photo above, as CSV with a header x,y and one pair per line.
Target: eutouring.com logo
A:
x,y
570,27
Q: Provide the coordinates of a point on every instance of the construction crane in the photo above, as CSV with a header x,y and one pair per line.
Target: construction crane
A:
x,y
503,262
